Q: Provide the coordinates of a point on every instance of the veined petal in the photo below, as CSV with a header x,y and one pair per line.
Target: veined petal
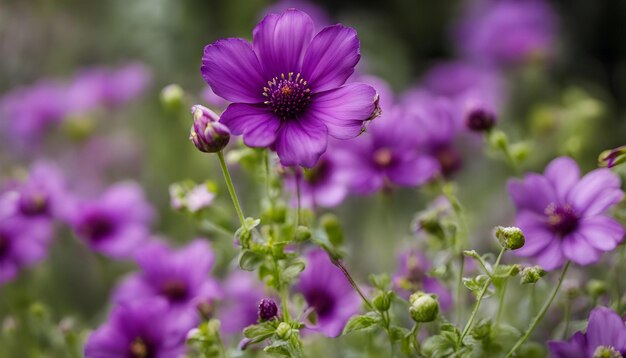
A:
x,y
301,142
344,110
601,232
577,249
551,257
257,123
563,173
533,193
606,328
232,69
280,41
330,59
596,191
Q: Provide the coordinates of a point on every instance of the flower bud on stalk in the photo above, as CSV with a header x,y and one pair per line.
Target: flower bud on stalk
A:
x,y
532,274
424,307
480,119
267,309
207,133
511,238
612,157
283,331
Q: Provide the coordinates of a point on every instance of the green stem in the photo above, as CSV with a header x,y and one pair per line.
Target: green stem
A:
x,y
353,283
298,194
284,298
211,226
479,299
231,189
459,289
501,303
416,343
541,313
566,318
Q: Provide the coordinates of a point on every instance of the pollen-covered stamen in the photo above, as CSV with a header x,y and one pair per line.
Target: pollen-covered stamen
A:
x,y
563,219
383,157
287,95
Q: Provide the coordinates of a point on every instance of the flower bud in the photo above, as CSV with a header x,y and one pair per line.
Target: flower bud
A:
x,y
303,233
612,157
207,133
498,139
332,227
531,274
172,97
480,119
511,238
596,288
283,331
424,307
382,302
267,309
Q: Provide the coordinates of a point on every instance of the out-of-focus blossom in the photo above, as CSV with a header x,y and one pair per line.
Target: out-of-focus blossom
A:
x,y
612,157
507,32
564,217
181,276
213,100
328,292
139,329
288,87
605,337
412,276
117,223
188,196
318,14
239,309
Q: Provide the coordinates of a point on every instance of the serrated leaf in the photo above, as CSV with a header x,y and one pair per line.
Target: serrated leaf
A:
x,y
361,322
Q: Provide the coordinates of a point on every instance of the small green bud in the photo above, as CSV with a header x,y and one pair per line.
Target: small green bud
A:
x,y
596,288
303,233
424,307
520,152
382,302
333,229
532,274
283,331
172,97
482,329
606,352
511,238
498,139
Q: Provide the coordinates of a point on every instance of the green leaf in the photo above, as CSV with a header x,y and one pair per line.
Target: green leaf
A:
x,y
250,260
361,322
292,271
381,282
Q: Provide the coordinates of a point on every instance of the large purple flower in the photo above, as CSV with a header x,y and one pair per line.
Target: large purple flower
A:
x,y
288,88
605,337
563,216
240,307
412,276
116,223
139,329
179,276
328,292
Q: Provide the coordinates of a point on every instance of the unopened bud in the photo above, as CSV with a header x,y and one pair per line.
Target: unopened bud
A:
x,y
207,133
267,309
332,227
498,139
303,233
531,274
511,238
172,97
382,302
424,307
596,288
283,331
480,119
612,157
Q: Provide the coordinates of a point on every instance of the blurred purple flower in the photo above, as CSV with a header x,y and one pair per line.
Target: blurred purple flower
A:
x,y
115,224
606,333
139,329
412,276
180,276
318,14
563,216
328,292
239,309
288,88
214,101
507,32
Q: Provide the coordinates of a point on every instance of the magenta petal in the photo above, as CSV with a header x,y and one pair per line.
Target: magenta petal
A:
x,y
533,193
601,232
538,236
577,249
596,191
606,328
330,59
301,142
415,171
551,257
232,69
343,110
257,123
563,173
280,41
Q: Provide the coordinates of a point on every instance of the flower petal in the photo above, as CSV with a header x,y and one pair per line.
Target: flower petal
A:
x,y
551,257
280,41
595,192
343,110
533,193
538,236
601,232
563,173
232,69
415,171
257,123
606,328
330,59
301,142
577,249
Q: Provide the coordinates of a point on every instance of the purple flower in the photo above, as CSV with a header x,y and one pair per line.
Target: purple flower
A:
x,y
288,88
412,276
116,224
328,292
214,101
563,216
179,276
139,329
319,15
239,309
507,32
606,333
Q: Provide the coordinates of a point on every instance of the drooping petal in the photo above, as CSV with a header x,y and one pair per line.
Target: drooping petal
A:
x,y
533,193
257,123
596,191
563,173
343,110
280,41
232,69
577,249
601,232
330,58
301,142
415,171
606,328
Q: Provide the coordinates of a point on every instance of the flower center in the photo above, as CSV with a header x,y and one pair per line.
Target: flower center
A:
x,y
287,95
562,218
415,272
321,301
606,352
318,173
33,203
448,159
139,349
175,290
383,157
97,227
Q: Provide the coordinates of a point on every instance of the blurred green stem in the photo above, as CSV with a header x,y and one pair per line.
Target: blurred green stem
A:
x,y
501,303
231,189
